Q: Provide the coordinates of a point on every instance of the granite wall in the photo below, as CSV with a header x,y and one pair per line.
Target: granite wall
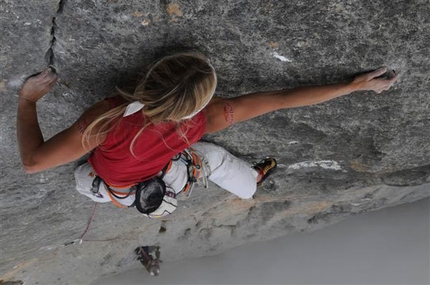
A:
x,y
353,154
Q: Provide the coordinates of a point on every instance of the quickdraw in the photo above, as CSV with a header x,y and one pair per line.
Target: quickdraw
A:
x,y
196,169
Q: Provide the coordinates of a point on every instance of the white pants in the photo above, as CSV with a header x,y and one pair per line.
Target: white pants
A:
x,y
225,170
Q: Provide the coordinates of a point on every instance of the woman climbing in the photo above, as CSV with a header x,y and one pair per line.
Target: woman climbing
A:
x,y
145,145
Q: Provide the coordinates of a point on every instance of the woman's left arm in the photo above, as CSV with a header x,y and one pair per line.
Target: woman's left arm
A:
x,y
223,112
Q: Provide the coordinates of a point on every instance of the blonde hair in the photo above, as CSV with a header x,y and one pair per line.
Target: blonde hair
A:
x,y
175,87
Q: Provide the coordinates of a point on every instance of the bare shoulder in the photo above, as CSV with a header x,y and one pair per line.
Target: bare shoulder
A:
x,y
219,114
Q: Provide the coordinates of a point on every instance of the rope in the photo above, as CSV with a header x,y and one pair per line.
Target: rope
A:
x,y
81,239
89,223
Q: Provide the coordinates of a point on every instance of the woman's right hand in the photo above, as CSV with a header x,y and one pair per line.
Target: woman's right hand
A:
x,y
37,86
371,82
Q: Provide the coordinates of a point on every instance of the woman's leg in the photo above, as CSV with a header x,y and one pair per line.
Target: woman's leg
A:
x,y
228,171
84,177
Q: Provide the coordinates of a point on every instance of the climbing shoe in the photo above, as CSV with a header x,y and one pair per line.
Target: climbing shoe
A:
x,y
265,167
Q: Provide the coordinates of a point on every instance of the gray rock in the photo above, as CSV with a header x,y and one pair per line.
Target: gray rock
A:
x,y
354,154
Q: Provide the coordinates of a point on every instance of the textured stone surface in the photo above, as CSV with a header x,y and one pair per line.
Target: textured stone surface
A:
x,y
354,154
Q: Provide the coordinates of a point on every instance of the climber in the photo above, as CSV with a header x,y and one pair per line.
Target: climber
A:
x,y
145,145
144,255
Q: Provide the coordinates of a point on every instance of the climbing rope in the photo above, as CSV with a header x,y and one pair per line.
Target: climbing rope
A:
x,y
81,239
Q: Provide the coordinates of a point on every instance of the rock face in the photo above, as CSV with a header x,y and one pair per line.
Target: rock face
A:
x,y
354,154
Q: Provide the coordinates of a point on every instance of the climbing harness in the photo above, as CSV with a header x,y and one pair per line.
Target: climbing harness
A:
x,y
152,198
196,168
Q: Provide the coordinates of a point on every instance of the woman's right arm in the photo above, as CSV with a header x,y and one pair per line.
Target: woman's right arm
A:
x,y
66,146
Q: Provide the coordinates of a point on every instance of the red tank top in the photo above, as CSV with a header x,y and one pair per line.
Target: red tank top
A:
x,y
153,149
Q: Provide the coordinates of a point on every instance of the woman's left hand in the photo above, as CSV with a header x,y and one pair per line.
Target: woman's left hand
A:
x,y
37,86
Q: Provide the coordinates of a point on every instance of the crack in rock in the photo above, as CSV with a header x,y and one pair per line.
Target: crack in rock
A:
x,y
49,56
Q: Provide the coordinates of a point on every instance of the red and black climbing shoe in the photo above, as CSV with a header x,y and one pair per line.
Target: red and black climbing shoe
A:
x,y
265,167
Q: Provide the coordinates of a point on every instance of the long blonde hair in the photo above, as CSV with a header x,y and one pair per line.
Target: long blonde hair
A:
x,y
175,87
